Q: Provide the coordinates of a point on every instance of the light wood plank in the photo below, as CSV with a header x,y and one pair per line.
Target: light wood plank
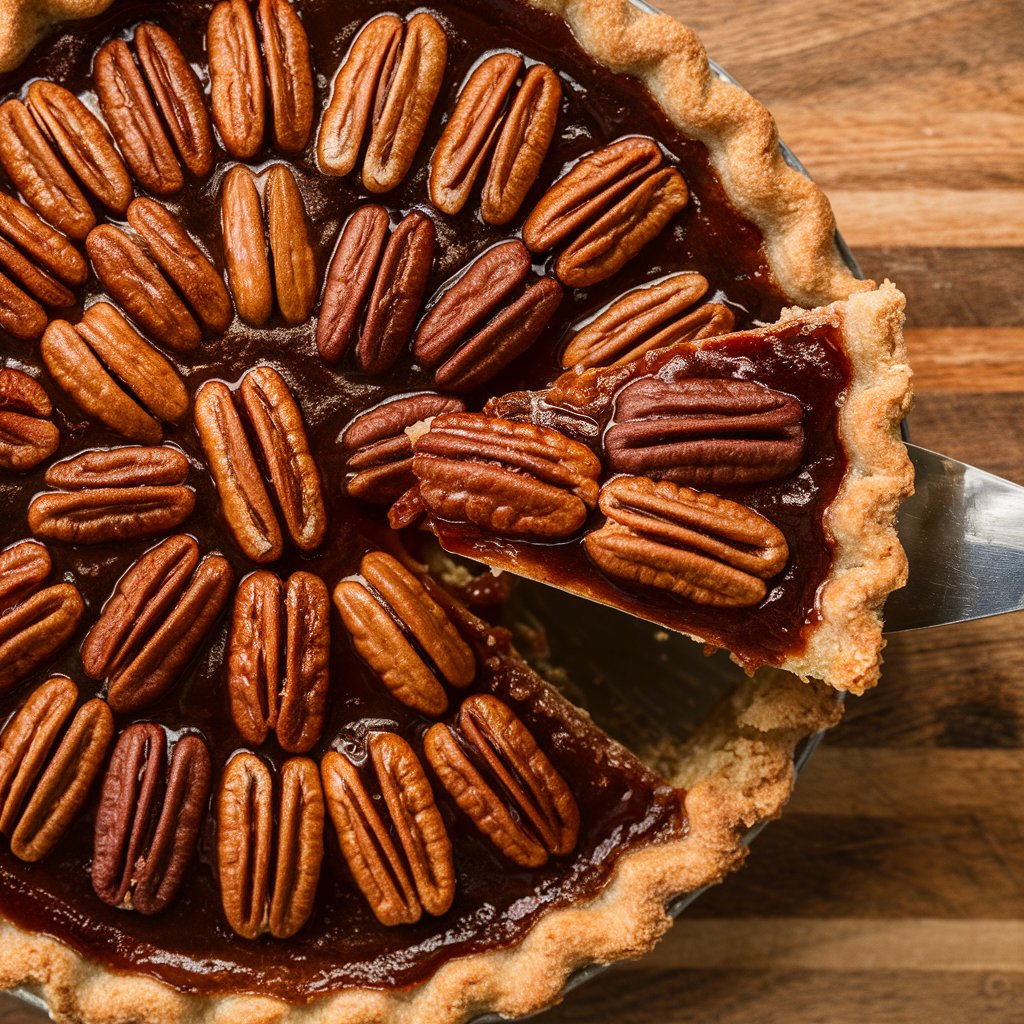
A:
x,y
972,359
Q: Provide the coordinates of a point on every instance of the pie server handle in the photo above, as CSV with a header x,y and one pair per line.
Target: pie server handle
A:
x,y
963,532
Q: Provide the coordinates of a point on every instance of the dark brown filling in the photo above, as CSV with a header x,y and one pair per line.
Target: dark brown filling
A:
x,y
622,804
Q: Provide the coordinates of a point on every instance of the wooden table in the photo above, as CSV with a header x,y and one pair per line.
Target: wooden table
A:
x,y
893,890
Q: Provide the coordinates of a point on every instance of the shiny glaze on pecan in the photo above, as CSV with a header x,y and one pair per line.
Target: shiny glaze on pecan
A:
x,y
404,636
699,546
40,246
503,782
236,78
289,74
291,251
27,434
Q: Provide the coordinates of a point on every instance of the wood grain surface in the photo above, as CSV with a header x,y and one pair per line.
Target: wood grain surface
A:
x,y
892,891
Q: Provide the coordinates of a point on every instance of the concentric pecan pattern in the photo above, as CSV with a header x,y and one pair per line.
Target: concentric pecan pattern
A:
x,y
699,546
27,434
406,638
398,888
245,246
36,172
278,659
255,898
155,621
149,817
45,777
503,782
34,624
179,96
236,78
133,119
487,126
645,319
478,326
385,89
705,432
291,251
83,142
512,479
605,210
378,448
289,74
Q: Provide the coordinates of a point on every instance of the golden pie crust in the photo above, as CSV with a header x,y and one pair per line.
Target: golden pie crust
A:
x,y
738,769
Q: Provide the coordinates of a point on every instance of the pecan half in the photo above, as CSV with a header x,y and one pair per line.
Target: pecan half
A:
x,y
610,205
38,175
403,634
398,890
134,121
289,74
278,659
646,319
291,250
387,87
44,782
513,479
129,466
520,140
83,142
27,434
130,276
20,315
41,285
465,338
148,818
508,788
47,249
179,96
379,451
705,432
277,423
398,292
181,259
243,495
23,568
248,850
155,621
699,546
245,247
236,78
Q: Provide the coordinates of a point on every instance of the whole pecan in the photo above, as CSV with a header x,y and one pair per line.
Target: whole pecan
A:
x,y
34,623
128,466
645,319
253,901
181,259
403,634
397,890
148,818
179,96
289,74
136,126
477,328
130,276
291,251
83,142
508,788
236,78
245,246
699,546
45,778
705,432
27,434
604,210
47,249
379,451
519,131
83,360
276,420
386,87
513,479
278,659
155,621
38,175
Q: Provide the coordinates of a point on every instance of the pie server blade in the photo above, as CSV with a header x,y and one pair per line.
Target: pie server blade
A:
x,y
963,532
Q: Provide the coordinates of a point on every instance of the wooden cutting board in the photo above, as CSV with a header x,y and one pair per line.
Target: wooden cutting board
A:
x,y
892,892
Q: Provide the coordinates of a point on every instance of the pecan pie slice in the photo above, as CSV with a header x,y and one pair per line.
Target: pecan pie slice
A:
x,y
282,282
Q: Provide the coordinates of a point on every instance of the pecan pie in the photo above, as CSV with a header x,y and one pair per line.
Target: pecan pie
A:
x,y
308,308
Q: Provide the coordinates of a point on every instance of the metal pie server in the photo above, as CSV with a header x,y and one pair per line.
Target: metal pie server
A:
x,y
963,531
